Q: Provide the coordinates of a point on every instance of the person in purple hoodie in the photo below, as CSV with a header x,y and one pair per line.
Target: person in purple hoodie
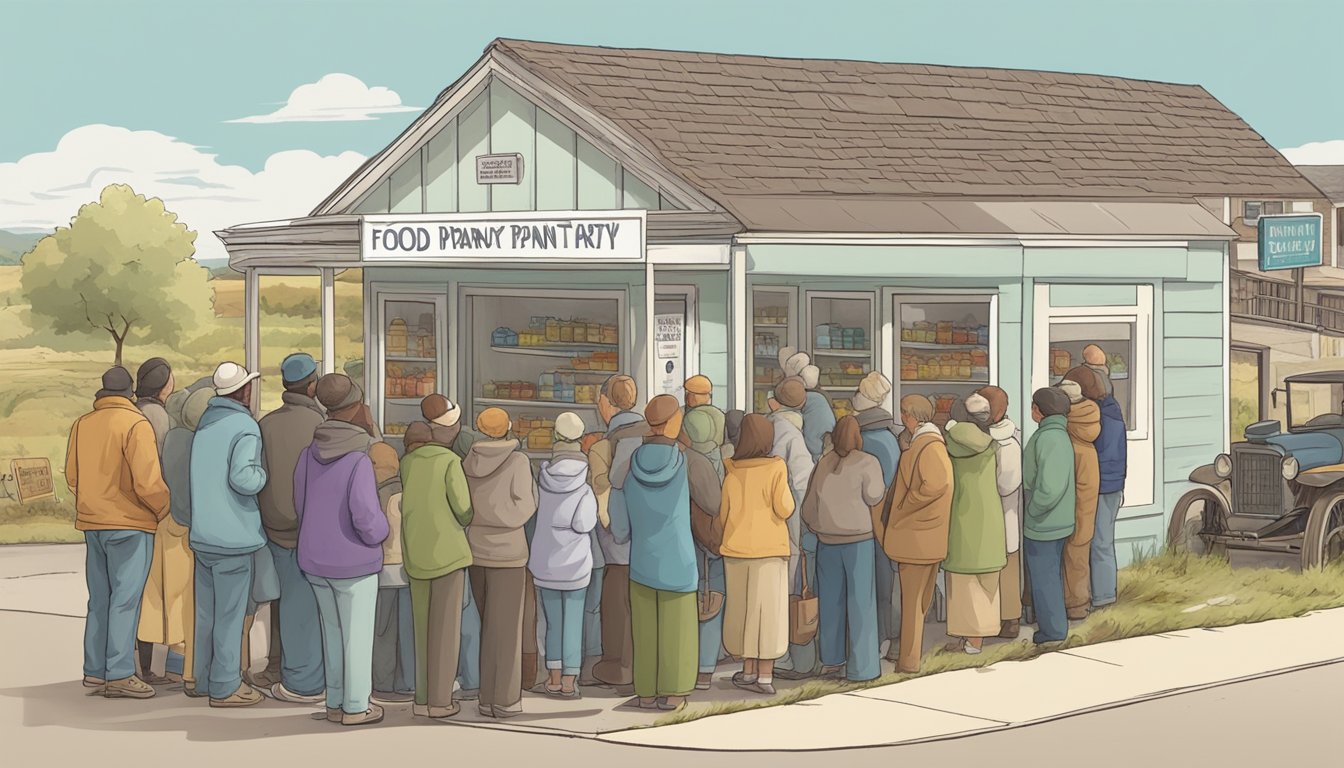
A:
x,y
341,532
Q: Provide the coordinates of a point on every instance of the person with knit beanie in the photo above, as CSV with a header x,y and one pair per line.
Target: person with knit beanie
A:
x,y
561,560
663,577
154,382
704,463
880,433
394,623
435,511
699,399
503,500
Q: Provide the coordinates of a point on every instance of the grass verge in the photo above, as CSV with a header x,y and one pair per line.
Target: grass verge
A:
x,y
1166,593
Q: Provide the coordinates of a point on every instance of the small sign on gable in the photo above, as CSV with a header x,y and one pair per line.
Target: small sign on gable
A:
x,y
1290,241
499,169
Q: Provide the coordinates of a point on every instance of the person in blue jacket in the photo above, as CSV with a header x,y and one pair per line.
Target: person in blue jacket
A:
x,y
879,430
1113,455
226,475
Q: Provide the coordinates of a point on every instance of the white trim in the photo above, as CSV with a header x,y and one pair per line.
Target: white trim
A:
x,y
969,238
1227,349
696,254
1036,241
739,346
252,329
328,303
650,359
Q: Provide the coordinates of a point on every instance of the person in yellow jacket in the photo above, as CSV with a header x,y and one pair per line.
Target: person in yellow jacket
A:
x,y
167,612
112,468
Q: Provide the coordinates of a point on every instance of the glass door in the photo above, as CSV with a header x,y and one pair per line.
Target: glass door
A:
x,y
944,348
413,350
842,328
773,324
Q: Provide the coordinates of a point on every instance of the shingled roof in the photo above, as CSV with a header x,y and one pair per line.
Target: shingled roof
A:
x,y
746,127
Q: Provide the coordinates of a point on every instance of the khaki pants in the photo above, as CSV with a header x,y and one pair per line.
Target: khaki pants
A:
x,y
1010,588
436,605
500,596
917,582
1077,575
618,645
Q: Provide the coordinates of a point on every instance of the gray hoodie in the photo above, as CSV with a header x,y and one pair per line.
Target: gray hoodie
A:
x,y
504,498
335,439
562,556
285,432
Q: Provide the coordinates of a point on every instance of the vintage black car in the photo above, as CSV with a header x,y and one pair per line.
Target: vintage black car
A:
x,y
1278,491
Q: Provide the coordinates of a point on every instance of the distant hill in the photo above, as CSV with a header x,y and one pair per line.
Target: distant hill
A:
x,y
15,243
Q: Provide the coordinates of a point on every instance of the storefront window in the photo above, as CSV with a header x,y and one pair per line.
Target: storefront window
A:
x,y
1068,340
411,357
944,349
772,323
290,321
513,129
841,334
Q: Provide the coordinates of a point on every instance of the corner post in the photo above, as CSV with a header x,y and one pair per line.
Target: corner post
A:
x,y
252,328
328,319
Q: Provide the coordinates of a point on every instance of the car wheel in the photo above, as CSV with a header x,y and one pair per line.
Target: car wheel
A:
x,y
1197,513
1323,541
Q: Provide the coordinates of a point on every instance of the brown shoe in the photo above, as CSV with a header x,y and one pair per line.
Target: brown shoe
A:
x,y
245,696
331,715
503,712
191,692
443,713
1078,614
128,688
704,681
374,714
1010,630
94,682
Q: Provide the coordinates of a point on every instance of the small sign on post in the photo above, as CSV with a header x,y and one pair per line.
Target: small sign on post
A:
x,y
33,478
499,169
1289,241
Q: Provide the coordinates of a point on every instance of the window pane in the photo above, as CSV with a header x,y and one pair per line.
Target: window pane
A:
x,y
1244,391
1272,208
376,202
1250,210
1116,340
349,342
597,179
441,171
406,186
555,164
638,194
514,131
290,321
472,134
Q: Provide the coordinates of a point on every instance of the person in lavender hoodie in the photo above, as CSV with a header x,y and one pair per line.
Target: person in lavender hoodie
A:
x,y
561,561
341,532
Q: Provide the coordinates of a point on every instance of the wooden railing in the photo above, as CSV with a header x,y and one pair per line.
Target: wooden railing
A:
x,y
1264,299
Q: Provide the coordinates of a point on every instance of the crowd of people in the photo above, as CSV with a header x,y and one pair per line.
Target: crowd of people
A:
x,y
637,558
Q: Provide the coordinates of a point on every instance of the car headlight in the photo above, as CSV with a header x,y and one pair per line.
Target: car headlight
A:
x,y
1222,466
1290,467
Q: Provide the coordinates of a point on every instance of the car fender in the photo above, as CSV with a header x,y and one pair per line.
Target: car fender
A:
x,y
1206,479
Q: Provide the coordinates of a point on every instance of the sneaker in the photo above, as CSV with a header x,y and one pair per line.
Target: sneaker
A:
x,y
512,710
484,710
704,681
127,688
671,703
280,693
971,649
765,689
245,696
393,697
331,715
374,714
263,680
742,679
94,682
443,713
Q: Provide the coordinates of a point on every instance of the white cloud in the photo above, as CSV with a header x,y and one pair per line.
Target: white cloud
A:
x,y
1317,153
335,97
46,189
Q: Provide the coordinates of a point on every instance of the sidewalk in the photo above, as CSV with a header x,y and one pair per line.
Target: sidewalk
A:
x,y
48,581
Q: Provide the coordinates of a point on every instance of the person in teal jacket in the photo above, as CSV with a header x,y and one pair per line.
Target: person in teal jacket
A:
x,y
663,576
1047,480
226,475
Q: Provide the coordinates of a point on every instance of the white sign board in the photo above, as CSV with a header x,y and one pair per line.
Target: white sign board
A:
x,y
669,342
593,236
499,169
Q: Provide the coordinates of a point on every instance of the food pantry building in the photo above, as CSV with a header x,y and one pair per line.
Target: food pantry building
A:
x,y
562,213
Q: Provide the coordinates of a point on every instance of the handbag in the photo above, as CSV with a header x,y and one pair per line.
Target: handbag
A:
x,y
804,611
706,529
708,603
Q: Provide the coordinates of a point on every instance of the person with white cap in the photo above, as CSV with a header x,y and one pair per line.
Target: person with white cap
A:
x,y
801,661
445,424
227,473
294,671
561,559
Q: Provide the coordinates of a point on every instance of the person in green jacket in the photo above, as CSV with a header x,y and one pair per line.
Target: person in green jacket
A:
x,y
975,552
1047,480
435,511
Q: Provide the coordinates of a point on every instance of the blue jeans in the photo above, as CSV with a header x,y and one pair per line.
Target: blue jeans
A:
x,y
847,600
564,610
1045,564
223,583
592,616
469,660
346,608
116,564
394,641
300,632
711,632
1104,565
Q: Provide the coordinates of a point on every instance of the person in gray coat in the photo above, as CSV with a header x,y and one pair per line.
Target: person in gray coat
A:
x,y
790,445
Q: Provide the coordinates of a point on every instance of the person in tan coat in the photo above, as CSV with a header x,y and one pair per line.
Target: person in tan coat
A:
x,y
913,522
1084,390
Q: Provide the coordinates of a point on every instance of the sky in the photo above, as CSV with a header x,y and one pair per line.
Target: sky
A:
x,y
255,109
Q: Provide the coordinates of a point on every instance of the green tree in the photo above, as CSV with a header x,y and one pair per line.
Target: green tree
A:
x,y
123,267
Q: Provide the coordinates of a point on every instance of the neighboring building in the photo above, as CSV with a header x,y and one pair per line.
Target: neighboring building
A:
x,y
563,212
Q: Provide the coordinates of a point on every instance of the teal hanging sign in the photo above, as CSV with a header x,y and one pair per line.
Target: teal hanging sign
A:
x,y
1290,241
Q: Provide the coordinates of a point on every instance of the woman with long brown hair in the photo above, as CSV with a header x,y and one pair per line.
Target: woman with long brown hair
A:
x,y
757,504
838,509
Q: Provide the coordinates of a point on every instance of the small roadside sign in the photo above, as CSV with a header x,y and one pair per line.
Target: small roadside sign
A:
x,y
1290,241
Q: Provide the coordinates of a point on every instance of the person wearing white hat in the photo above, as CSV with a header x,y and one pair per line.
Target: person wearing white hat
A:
x,y
226,475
